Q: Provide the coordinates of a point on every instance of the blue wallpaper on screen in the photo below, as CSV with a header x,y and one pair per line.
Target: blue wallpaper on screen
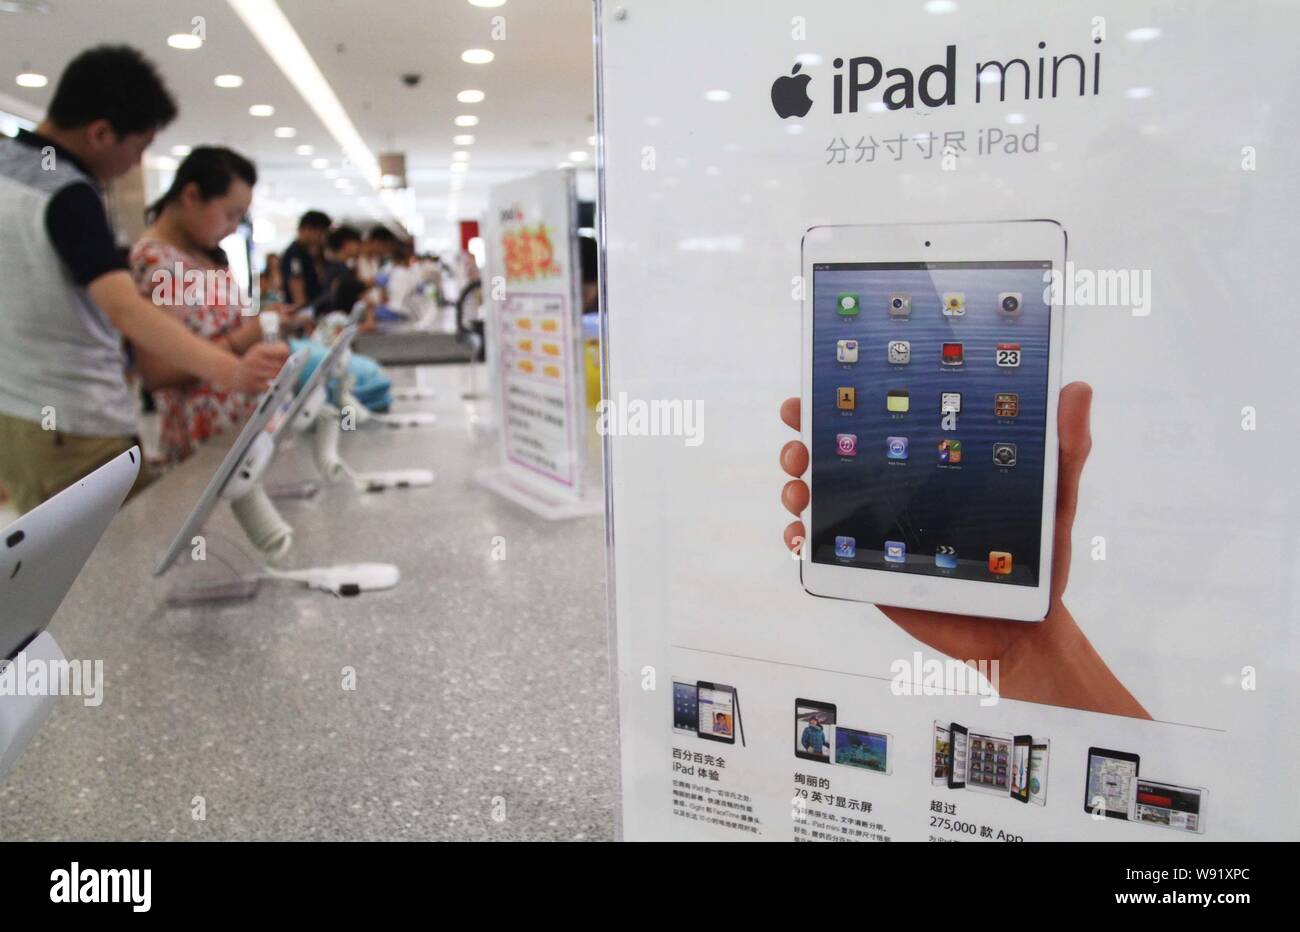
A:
x,y
975,506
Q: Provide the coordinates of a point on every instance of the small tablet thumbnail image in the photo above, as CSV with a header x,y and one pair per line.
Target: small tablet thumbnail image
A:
x,y
1115,789
990,762
707,710
941,754
867,750
814,725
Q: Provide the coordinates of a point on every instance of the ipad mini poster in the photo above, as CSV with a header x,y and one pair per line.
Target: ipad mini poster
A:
x,y
982,528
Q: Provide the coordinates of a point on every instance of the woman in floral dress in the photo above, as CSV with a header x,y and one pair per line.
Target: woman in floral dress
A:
x,y
178,264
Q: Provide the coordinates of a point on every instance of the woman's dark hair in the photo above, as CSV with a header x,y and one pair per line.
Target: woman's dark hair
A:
x,y
114,83
212,168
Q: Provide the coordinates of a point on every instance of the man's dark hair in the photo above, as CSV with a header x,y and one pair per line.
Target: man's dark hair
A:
x,y
315,220
342,236
114,83
381,234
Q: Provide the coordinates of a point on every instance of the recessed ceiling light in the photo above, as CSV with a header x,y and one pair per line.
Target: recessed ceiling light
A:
x,y
462,140
286,132
470,97
476,56
717,96
32,79
228,80
181,151
460,155
261,110
320,163
184,40
577,156
1137,93
487,4
164,163
467,119
939,7
306,150
591,140
459,167
565,165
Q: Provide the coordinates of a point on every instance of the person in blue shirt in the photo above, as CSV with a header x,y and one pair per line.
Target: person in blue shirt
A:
x,y
813,738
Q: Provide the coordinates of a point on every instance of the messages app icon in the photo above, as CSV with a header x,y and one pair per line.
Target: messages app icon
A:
x,y
846,305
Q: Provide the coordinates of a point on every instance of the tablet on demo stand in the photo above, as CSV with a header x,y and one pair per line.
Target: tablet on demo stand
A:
x,y
238,480
311,407
41,555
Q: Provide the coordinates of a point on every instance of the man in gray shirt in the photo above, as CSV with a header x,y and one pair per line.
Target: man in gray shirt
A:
x,y
67,302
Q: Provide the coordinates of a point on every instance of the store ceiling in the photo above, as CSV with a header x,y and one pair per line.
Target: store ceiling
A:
x,y
538,107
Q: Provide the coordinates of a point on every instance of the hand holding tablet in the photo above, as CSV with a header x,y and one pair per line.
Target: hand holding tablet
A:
x,y
1051,662
957,613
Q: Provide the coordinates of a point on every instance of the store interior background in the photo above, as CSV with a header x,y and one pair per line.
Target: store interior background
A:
x,y
537,111
491,690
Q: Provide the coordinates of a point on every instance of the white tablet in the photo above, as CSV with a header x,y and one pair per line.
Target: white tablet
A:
x,y
942,754
272,404
866,750
931,371
320,376
1168,805
989,762
43,551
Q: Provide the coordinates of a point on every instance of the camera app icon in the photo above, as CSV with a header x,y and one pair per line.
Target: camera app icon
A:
x,y
900,305
1011,304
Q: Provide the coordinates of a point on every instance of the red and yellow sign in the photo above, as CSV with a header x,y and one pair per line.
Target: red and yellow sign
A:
x,y
529,254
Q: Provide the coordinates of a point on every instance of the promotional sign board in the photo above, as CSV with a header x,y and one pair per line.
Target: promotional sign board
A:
x,y
534,343
980,307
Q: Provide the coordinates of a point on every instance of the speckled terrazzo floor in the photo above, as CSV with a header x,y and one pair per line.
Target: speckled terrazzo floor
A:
x,y
482,708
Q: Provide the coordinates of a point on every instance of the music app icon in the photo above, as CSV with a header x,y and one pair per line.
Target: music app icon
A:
x,y
999,562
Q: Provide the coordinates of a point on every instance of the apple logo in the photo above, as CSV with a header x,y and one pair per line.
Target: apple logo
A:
x,y
790,94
